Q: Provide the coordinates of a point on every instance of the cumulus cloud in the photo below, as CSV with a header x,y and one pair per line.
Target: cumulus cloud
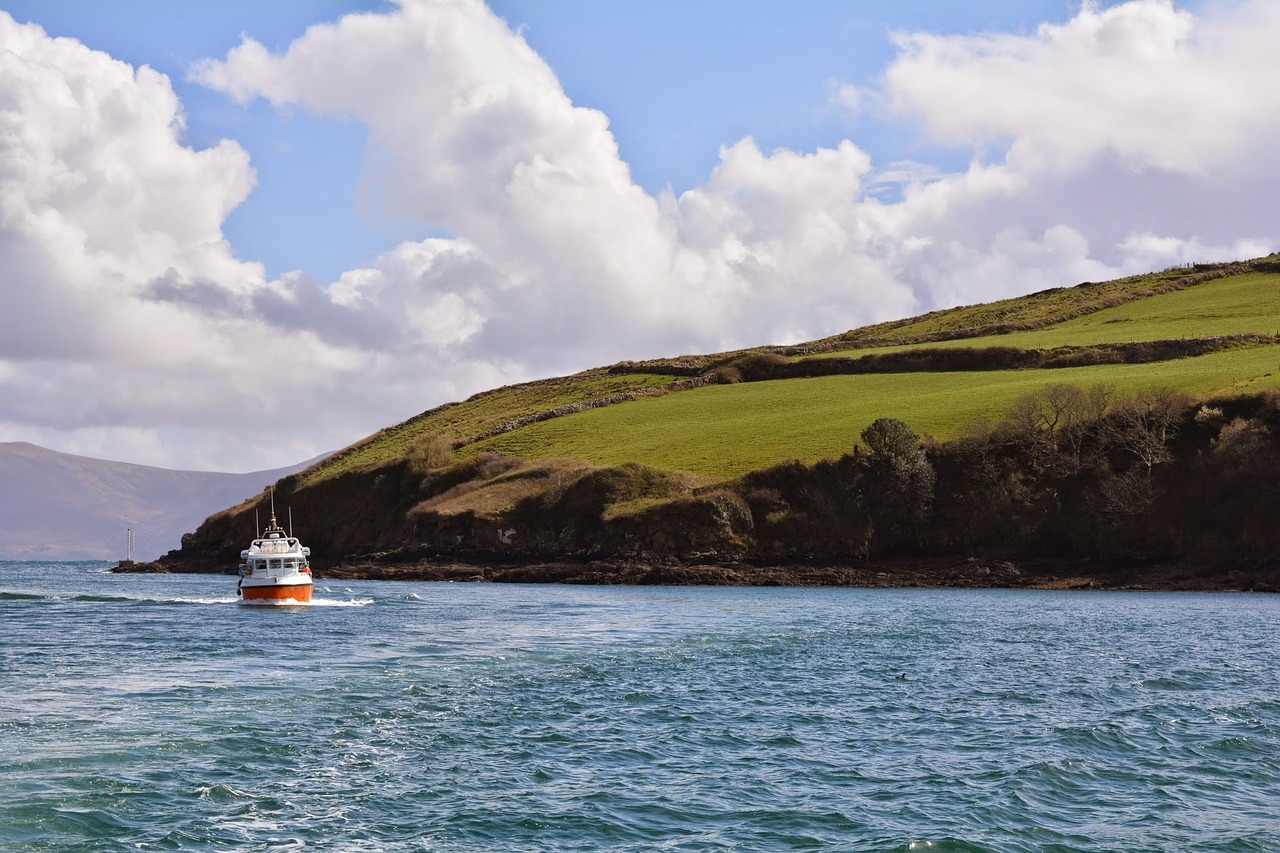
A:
x,y
97,200
1142,81
1138,125
582,264
127,324
95,193
1127,138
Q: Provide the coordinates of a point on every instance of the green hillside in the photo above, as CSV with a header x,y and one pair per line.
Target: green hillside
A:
x,y
726,430
1240,304
462,423
1131,423
1053,307
673,413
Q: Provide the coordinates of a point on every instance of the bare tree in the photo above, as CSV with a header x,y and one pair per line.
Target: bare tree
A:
x,y
1052,424
1143,425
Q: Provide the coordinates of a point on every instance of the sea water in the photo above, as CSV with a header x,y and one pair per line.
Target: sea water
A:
x,y
155,712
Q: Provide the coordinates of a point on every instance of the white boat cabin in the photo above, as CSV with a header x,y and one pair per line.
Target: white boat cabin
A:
x,y
274,555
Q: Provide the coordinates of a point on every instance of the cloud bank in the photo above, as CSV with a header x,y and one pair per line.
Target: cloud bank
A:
x,y
1126,139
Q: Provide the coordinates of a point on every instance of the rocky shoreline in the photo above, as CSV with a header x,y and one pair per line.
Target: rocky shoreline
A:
x,y
956,573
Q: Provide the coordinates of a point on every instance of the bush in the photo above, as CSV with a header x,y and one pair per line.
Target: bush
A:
x,y
430,452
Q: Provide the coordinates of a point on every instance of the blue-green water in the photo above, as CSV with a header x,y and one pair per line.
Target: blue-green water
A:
x,y
147,712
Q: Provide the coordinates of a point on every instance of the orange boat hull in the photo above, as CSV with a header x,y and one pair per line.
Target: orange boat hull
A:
x,y
300,592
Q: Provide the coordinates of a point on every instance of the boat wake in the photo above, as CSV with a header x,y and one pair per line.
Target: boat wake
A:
x,y
315,602
201,600
87,598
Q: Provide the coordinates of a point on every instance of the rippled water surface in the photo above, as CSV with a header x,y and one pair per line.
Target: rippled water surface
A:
x,y
156,713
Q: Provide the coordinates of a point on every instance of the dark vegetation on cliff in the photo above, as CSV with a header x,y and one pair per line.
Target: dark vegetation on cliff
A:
x,y
1072,475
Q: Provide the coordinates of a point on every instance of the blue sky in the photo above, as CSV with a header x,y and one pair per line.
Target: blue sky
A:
x,y
388,206
677,80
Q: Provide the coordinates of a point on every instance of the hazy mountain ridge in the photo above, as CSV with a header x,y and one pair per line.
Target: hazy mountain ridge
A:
x,y
58,506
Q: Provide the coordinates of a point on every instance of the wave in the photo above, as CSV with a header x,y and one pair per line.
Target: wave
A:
x,y
62,596
21,596
221,599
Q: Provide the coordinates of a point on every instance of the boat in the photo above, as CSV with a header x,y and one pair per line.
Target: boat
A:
x,y
275,568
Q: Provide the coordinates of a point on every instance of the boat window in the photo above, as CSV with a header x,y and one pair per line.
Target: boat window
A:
x,y
275,564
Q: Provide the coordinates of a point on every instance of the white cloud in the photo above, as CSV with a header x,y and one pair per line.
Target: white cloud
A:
x,y
1128,138
128,328
1150,251
848,97
583,265
1142,81
1124,122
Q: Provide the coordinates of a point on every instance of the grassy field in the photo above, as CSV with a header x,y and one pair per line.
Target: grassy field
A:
x,y
482,413
1035,309
1228,306
726,430
721,431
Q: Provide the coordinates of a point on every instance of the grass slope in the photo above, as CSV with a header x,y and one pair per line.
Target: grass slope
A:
x,y
459,422
726,430
1248,303
1042,309
721,431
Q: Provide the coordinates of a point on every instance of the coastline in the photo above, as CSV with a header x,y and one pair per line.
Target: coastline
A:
x,y
927,572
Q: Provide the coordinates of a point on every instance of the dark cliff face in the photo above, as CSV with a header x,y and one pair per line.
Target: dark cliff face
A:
x,y
483,508
1151,481
350,514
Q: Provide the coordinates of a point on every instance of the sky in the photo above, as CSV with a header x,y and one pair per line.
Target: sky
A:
x,y
235,235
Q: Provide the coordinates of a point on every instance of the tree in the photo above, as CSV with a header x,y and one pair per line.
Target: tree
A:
x,y
1052,424
898,481
1144,425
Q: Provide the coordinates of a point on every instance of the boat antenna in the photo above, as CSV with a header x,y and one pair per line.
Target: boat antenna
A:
x,y
256,528
290,521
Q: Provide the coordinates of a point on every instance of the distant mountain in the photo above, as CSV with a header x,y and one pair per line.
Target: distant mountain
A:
x,y
56,506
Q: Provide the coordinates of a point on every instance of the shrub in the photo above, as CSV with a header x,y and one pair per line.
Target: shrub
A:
x,y
430,452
